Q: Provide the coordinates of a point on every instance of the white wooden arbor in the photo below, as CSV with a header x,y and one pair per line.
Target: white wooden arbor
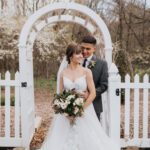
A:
x,y
40,19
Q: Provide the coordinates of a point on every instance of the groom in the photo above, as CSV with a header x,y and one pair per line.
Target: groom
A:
x,y
99,70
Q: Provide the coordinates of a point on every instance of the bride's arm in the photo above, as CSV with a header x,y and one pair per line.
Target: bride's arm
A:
x,y
91,88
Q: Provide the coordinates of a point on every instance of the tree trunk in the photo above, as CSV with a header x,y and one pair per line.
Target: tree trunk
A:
x,y
143,26
24,7
37,2
2,4
120,4
129,31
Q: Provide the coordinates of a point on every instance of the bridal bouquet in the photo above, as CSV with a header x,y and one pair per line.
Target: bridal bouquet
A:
x,y
69,103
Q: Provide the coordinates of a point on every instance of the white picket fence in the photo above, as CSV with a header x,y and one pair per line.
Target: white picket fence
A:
x,y
12,117
134,116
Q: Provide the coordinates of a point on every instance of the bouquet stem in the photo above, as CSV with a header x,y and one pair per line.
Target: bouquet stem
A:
x,y
72,120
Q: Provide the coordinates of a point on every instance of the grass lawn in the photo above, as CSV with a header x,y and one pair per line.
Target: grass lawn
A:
x,y
39,83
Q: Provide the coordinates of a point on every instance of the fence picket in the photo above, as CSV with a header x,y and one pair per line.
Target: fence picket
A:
x,y
127,107
6,138
136,108
0,107
145,108
7,106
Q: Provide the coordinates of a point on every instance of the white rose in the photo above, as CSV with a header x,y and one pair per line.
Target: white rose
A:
x,y
63,105
56,102
76,110
65,114
79,101
70,97
67,102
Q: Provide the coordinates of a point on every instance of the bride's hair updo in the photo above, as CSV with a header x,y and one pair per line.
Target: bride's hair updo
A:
x,y
72,48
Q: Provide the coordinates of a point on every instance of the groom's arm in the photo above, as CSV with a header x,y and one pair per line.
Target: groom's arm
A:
x,y
103,80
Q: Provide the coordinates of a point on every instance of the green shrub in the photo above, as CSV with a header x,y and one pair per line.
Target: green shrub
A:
x,y
12,101
44,83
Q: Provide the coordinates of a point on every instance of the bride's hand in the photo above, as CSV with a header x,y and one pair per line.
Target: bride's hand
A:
x,y
84,94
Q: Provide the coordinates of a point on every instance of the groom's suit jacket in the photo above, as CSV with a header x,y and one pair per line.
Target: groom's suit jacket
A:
x,y
100,76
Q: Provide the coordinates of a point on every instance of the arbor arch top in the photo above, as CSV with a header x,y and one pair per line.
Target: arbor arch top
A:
x,y
31,27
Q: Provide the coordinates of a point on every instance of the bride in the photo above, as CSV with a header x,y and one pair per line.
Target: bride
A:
x,y
87,133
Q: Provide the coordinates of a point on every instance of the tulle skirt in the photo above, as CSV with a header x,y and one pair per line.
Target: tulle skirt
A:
x,y
85,134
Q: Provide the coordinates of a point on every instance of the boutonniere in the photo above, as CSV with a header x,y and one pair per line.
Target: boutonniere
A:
x,y
92,64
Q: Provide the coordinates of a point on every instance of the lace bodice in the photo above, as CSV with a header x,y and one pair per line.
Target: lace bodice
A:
x,y
79,84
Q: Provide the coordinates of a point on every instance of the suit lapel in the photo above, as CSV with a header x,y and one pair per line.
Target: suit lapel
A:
x,y
94,58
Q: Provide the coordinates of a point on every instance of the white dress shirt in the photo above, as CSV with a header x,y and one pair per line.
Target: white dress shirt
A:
x,y
88,60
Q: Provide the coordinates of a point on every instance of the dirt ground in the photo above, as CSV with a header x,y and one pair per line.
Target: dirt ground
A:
x,y
43,109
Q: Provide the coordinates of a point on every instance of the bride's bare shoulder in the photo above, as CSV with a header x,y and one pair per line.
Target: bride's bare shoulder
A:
x,y
87,71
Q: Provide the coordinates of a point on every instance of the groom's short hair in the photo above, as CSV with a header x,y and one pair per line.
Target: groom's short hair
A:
x,y
89,39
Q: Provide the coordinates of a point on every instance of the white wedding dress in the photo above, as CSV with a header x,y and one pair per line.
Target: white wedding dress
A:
x,y
86,134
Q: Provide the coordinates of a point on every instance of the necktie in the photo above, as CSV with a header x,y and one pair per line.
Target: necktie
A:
x,y
84,63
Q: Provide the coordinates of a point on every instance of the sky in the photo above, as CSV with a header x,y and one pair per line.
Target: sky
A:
x,y
147,1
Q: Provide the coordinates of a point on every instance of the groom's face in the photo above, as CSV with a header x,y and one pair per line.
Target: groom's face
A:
x,y
87,49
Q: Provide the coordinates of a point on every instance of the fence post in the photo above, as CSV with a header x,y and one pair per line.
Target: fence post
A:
x,y
24,97
114,103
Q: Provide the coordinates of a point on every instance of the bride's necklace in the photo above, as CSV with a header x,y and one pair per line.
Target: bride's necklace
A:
x,y
74,71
